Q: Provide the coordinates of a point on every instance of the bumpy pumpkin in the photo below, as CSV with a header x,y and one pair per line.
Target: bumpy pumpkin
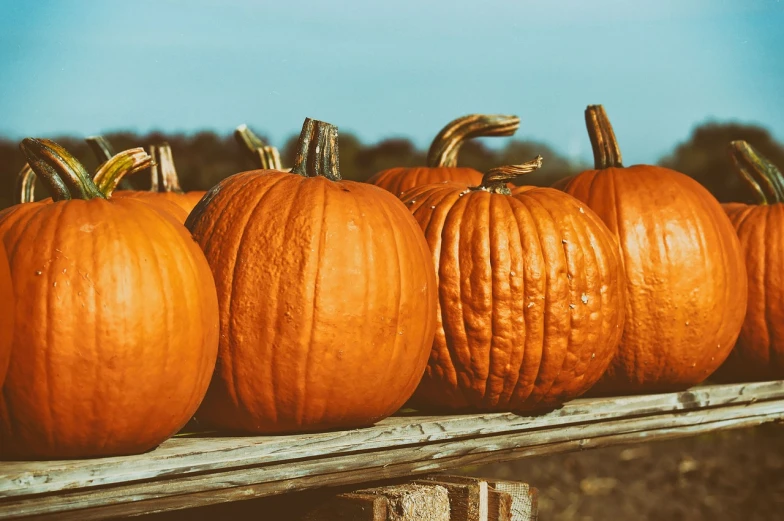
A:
x,y
759,351
686,279
327,296
7,311
116,328
531,295
442,156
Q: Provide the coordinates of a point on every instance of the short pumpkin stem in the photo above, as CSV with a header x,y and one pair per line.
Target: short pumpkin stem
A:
x,y
606,152
317,151
64,175
104,151
164,175
496,178
125,163
24,191
443,151
759,174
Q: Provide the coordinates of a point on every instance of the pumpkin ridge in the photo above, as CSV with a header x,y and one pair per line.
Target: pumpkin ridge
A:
x,y
227,197
769,326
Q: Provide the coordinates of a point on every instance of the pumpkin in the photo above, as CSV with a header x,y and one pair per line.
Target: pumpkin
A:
x,y
759,351
7,311
442,156
263,156
326,291
531,295
686,279
116,330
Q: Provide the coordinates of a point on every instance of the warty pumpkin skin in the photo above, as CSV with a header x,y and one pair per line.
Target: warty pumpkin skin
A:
x,y
327,296
7,311
531,295
759,351
686,278
116,322
442,156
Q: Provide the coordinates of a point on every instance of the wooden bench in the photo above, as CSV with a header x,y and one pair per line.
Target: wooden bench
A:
x,y
202,469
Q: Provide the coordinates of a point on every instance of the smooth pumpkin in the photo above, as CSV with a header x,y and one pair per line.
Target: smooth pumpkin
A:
x,y
686,279
116,328
531,295
7,312
442,156
327,296
759,351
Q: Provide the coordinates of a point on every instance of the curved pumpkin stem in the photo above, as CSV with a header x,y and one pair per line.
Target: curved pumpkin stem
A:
x,y
63,173
248,141
759,174
125,163
317,151
443,151
269,158
104,151
164,175
24,190
496,178
606,152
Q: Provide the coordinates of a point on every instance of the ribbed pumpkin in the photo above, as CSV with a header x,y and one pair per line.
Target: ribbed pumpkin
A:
x,y
531,295
116,323
327,296
686,279
7,311
442,156
759,351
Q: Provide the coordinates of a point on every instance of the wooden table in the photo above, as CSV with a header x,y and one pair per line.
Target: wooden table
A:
x,y
203,469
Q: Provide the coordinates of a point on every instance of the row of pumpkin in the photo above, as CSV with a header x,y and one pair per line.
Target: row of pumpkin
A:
x,y
293,301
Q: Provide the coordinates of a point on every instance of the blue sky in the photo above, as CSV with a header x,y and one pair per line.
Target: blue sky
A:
x,y
392,68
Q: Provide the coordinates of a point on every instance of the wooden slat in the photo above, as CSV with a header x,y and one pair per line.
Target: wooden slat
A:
x,y
189,472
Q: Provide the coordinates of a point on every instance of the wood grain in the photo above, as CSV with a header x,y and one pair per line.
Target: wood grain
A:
x,y
187,472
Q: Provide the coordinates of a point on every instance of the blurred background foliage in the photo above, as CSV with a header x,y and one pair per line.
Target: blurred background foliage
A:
x,y
204,158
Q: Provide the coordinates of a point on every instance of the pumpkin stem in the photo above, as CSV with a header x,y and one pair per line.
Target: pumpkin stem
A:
x,y
443,151
317,150
24,191
759,174
64,175
606,152
248,141
496,178
125,163
269,158
104,151
164,175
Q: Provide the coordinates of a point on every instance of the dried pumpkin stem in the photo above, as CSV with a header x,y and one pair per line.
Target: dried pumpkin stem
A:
x,y
759,174
103,151
63,173
269,158
495,179
24,191
317,151
164,175
606,152
125,163
446,145
249,142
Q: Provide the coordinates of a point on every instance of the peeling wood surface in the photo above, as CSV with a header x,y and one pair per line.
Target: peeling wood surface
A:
x,y
193,471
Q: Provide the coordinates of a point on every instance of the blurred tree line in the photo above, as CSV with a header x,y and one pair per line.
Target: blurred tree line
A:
x,y
204,158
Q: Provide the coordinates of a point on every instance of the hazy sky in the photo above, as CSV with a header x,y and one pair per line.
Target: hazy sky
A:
x,y
392,68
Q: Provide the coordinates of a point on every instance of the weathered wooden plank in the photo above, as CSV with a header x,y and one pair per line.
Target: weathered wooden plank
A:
x,y
340,468
190,456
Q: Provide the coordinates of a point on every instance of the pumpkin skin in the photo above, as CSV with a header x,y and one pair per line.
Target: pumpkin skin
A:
x,y
759,351
686,278
327,298
531,298
442,156
7,312
124,337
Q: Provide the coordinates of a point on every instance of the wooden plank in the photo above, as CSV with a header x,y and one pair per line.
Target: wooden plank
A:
x,y
341,468
522,503
189,456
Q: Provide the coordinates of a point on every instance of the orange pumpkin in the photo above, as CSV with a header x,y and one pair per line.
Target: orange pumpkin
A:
x,y
116,322
7,310
531,295
759,351
326,291
686,279
442,156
